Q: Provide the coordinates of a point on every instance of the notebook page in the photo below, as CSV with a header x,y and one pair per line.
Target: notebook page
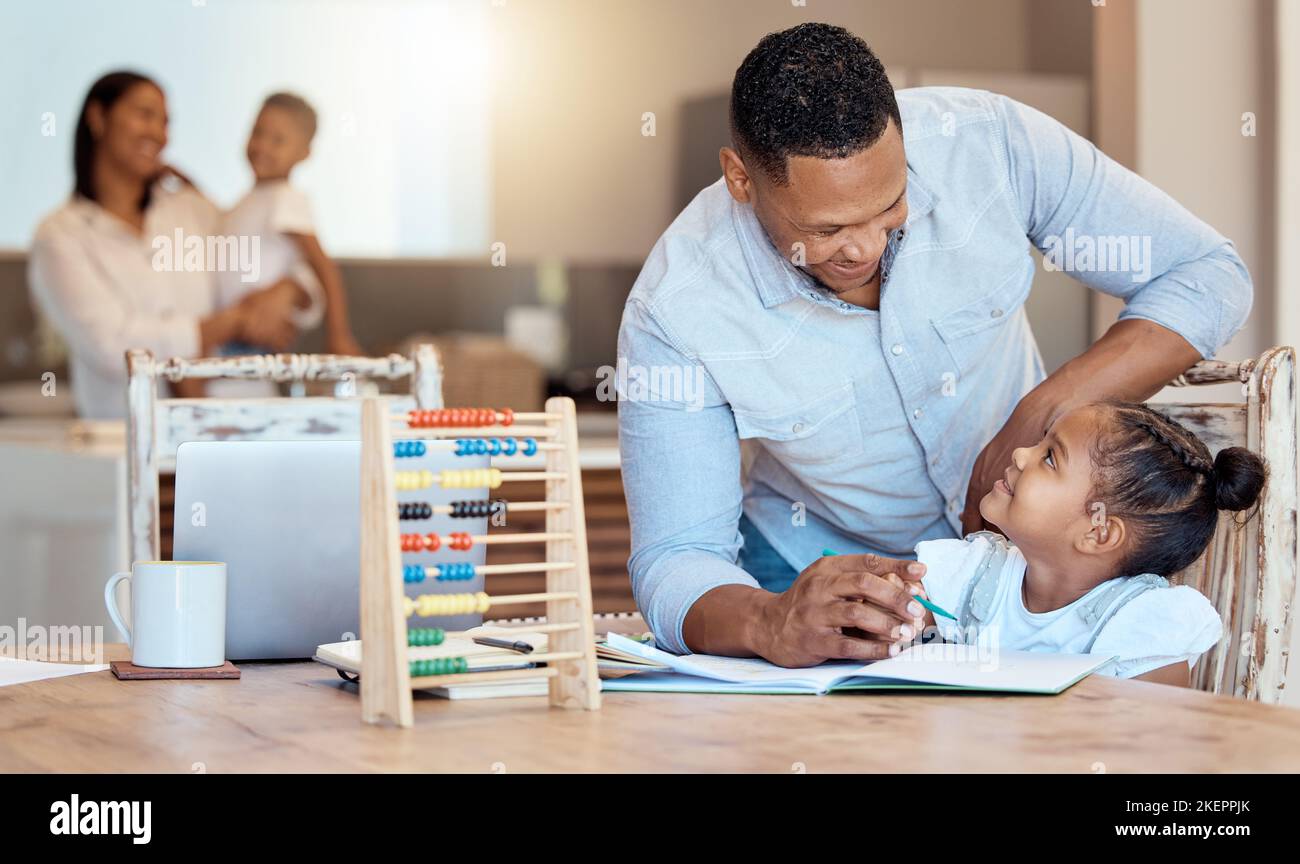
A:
x,y
1008,671
744,670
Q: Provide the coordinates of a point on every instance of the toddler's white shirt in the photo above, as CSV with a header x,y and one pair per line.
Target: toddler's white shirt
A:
x,y
270,211
1160,626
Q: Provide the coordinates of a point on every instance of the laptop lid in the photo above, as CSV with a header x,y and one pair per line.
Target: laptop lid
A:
x,y
284,516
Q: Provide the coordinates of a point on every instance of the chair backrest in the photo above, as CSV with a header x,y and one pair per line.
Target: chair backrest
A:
x,y
156,427
1248,570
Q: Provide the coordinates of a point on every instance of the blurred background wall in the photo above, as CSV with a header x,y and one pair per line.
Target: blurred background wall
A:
x,y
566,181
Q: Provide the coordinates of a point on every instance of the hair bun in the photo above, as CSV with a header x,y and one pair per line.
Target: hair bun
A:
x,y
1238,477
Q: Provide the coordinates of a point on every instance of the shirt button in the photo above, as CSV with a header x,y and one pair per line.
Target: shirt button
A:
x,y
996,313
897,349
917,413
952,505
796,428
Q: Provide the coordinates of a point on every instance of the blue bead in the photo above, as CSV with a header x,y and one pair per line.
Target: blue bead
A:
x,y
530,446
512,446
419,448
480,446
494,447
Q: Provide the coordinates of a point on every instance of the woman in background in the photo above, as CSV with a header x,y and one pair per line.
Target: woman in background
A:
x,y
92,265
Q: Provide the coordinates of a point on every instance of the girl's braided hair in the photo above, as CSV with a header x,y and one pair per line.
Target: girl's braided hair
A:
x,y
1153,473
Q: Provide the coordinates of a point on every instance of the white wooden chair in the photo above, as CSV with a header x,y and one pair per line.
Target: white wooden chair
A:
x,y
156,427
1248,571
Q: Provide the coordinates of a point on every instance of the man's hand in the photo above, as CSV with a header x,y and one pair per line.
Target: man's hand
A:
x,y
865,595
1024,428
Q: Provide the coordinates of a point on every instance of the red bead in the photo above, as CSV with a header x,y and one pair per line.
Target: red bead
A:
x,y
507,416
431,542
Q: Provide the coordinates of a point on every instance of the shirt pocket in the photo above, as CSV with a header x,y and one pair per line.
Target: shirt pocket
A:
x,y
972,331
825,429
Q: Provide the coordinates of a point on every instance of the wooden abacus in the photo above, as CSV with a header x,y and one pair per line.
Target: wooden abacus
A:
x,y
387,674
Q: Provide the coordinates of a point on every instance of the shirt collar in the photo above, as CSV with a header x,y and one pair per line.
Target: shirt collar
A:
x,y
776,279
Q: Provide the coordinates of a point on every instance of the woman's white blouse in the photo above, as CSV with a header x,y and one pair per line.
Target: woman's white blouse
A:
x,y
1156,628
93,276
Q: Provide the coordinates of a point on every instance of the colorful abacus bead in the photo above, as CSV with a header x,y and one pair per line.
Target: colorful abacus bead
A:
x,y
420,542
455,572
530,446
406,481
470,478
438,666
429,605
471,509
414,510
461,541
412,573
407,449
422,637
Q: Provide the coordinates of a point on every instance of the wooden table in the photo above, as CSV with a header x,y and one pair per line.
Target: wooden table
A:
x,y
301,717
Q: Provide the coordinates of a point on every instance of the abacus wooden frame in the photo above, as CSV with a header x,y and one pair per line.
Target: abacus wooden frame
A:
x,y
386,682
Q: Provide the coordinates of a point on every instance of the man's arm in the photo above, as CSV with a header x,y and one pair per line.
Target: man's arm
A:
x,y
1186,290
681,473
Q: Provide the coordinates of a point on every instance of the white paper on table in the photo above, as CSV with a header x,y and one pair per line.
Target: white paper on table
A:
x,y
14,671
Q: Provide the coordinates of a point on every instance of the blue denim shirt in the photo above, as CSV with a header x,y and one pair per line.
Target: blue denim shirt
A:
x,y
860,428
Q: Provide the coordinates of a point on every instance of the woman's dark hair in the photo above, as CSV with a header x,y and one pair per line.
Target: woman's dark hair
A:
x,y
1153,473
813,90
104,93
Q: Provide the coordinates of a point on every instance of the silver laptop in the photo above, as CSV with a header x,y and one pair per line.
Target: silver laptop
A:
x,y
284,516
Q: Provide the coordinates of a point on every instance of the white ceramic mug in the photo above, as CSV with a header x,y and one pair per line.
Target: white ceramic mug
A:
x,y
178,613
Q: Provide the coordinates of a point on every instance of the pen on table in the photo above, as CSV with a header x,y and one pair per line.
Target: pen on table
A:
x,y
508,644
933,607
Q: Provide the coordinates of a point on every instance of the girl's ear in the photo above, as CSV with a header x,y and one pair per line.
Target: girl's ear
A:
x,y
1105,535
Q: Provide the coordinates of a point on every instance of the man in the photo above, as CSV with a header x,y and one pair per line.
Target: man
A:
x,y
848,301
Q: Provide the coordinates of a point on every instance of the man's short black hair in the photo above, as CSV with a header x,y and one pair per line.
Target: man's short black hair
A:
x,y
813,90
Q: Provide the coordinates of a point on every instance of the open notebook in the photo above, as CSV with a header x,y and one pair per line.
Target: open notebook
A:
x,y
935,666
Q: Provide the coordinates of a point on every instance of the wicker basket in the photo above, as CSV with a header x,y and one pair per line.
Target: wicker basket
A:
x,y
482,370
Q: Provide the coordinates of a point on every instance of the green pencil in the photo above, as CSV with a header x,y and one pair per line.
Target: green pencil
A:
x,y
938,610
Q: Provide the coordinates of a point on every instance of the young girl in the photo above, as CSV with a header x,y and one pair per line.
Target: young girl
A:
x,y
1113,500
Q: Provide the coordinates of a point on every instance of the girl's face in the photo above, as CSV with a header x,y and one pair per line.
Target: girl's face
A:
x,y
1041,504
132,133
278,143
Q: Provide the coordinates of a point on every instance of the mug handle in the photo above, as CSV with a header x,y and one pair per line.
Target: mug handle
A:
x,y
110,601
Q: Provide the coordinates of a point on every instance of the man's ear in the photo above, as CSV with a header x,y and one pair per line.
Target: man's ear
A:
x,y
739,183
1104,536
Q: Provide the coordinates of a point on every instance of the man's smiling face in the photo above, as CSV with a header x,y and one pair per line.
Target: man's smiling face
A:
x,y
832,217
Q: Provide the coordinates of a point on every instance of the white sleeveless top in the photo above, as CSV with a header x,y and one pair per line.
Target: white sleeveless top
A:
x,y
1156,628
